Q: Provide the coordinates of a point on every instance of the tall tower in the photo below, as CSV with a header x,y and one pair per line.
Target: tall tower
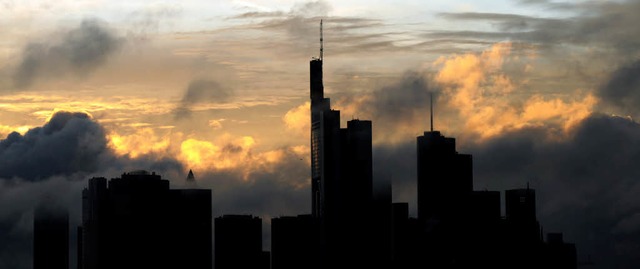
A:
x,y
50,237
136,221
445,178
325,125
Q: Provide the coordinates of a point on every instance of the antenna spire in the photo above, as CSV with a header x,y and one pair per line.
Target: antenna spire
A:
x,y
431,108
321,41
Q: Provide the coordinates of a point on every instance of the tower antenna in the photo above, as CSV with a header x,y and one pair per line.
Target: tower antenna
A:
x,y
431,108
321,41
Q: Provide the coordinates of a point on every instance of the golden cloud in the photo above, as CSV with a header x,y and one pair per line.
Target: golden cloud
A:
x,y
142,141
298,119
481,91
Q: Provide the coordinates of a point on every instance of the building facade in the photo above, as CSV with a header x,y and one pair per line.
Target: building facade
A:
x,y
136,221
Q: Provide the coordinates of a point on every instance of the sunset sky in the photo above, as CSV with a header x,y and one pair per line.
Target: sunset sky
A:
x,y
538,91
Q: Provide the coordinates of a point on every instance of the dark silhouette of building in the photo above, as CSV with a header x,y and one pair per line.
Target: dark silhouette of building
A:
x,y
522,230
341,178
405,238
190,177
136,221
560,254
520,207
445,178
445,186
238,242
50,237
295,242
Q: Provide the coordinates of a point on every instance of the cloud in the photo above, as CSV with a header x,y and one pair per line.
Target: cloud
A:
x,y
216,124
202,91
56,159
205,91
395,108
297,30
586,181
311,9
607,25
148,21
69,143
622,89
480,95
298,119
18,198
78,51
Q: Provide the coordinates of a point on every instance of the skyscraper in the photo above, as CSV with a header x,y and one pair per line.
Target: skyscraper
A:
x,y
50,238
520,207
238,242
445,178
136,221
445,187
295,242
341,176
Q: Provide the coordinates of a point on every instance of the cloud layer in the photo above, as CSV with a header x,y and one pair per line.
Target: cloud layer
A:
x,y
69,143
78,51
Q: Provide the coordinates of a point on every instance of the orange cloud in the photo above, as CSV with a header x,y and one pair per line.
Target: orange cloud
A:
x,y
7,129
142,141
237,154
216,124
481,91
298,119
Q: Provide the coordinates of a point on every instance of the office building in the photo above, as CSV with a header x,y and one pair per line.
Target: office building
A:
x,y
50,237
295,242
238,242
136,221
445,178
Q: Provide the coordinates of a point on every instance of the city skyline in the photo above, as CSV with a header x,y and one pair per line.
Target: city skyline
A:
x,y
529,88
137,220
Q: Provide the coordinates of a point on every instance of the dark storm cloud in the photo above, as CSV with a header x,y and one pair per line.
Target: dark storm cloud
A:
x,y
52,163
587,185
79,51
622,89
587,182
68,143
401,99
71,143
397,102
202,91
397,164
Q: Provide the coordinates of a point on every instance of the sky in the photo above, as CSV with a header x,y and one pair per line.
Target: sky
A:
x,y
540,92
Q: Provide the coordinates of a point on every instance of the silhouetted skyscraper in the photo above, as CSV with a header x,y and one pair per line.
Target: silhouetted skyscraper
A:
x,y
341,178
238,242
522,234
445,178
559,254
325,125
485,206
50,238
356,173
520,207
295,242
456,227
138,222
